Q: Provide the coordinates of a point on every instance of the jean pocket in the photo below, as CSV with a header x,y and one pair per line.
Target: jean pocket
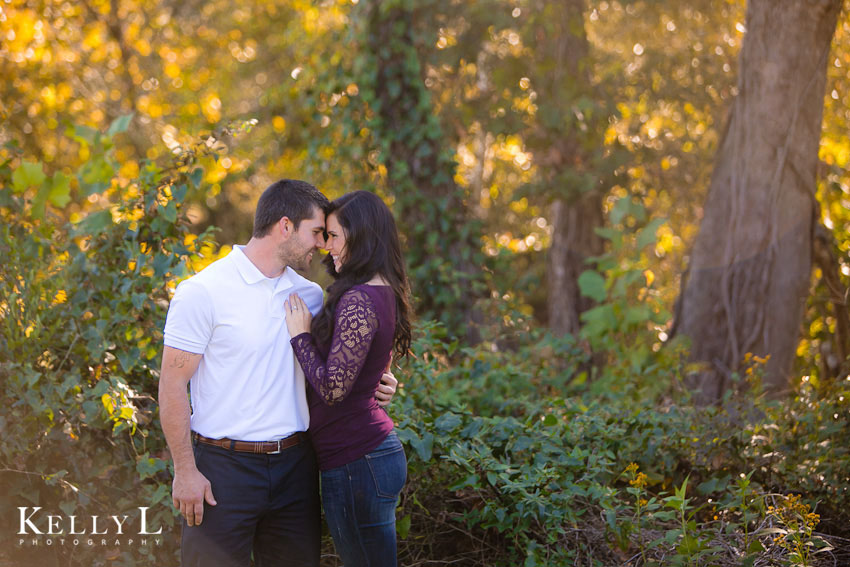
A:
x,y
389,471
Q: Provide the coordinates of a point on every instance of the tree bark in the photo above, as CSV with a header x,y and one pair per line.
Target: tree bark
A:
x,y
563,143
573,241
443,241
751,264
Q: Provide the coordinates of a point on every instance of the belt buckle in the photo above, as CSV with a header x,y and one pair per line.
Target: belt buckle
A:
x,y
275,452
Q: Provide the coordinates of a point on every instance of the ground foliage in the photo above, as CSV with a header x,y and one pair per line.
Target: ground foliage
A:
x,y
510,466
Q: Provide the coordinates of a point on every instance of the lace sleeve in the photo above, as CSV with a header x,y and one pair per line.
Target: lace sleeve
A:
x,y
354,328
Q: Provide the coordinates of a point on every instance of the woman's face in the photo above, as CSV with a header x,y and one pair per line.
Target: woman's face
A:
x,y
335,243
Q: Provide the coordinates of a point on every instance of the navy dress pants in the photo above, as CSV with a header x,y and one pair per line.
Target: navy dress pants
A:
x,y
267,509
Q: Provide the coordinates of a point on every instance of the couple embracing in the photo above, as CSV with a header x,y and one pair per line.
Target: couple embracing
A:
x,y
286,390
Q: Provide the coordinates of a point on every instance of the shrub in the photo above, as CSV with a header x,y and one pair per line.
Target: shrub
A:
x,y
82,304
503,471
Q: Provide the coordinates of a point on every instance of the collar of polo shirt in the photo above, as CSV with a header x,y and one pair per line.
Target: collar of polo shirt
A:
x,y
251,274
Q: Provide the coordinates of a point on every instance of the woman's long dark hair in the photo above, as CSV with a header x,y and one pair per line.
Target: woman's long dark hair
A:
x,y
371,248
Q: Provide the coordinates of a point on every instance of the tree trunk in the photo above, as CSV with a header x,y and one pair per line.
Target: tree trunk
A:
x,y
563,143
750,267
573,241
443,241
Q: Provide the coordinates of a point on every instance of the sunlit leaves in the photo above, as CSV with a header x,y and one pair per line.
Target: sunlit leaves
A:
x,y
60,190
28,174
592,285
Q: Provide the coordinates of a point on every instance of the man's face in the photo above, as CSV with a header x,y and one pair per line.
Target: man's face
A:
x,y
297,251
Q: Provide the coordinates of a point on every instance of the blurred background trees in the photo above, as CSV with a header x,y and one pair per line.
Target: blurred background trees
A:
x,y
631,197
503,132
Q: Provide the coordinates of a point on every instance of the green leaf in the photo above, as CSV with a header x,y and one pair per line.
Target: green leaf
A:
x,y
138,300
162,491
592,285
423,446
550,420
196,176
86,135
689,545
647,234
620,209
169,212
161,263
682,490
94,223
402,527
611,519
95,175
522,443
39,202
60,191
447,422
28,174
470,480
179,192
637,314
68,506
119,125
128,359
755,547
713,484
148,467
598,321
53,479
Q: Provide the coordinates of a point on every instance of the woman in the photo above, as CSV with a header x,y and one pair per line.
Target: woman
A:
x,y
343,352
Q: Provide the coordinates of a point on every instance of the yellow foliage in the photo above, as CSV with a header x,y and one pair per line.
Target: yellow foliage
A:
x,y
519,206
93,38
215,173
48,96
129,169
172,70
835,151
143,47
211,107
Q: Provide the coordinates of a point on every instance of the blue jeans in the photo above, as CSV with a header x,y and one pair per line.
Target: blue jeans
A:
x,y
360,499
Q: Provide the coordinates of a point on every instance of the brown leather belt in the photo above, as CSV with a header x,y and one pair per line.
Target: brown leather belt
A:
x,y
256,447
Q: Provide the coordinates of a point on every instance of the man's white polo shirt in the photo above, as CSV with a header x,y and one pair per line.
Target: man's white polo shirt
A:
x,y
249,385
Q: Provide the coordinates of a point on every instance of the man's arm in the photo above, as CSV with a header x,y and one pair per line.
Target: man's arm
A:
x,y
190,488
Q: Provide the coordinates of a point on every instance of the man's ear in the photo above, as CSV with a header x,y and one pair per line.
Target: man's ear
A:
x,y
285,226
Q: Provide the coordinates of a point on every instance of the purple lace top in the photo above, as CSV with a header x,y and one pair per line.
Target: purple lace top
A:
x,y
346,421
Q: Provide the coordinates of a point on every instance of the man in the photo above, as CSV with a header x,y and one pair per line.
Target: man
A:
x,y
242,448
